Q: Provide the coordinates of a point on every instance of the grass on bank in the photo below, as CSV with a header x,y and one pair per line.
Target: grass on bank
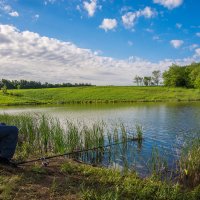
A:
x,y
98,94
64,179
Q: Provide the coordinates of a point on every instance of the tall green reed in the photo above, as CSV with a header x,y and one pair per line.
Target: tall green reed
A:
x,y
189,163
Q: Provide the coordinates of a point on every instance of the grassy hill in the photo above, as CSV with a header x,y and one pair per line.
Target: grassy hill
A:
x,y
98,94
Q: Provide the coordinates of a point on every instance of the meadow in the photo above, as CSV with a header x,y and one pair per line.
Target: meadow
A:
x,y
98,94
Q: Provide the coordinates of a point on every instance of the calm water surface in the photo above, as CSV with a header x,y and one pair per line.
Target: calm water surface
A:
x,y
166,127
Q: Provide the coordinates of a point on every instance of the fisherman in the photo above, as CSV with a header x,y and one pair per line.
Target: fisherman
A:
x,y
8,143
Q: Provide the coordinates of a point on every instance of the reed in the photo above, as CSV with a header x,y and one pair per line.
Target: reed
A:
x,y
139,132
43,135
189,163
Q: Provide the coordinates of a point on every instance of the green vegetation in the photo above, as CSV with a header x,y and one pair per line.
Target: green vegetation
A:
x,y
100,94
190,163
69,180
64,179
42,135
24,84
139,132
148,80
183,76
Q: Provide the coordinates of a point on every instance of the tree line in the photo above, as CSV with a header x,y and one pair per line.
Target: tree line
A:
x,y
182,76
24,84
176,76
148,80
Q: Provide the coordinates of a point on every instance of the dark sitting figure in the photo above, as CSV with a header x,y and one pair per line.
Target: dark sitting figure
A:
x,y
8,142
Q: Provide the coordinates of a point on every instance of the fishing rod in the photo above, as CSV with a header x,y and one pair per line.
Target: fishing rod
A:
x,y
45,163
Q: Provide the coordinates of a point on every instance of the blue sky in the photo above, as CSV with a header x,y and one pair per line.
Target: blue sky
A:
x,y
102,41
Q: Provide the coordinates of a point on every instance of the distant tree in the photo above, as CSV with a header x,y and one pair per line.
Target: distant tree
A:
x,y
4,89
136,80
18,86
156,77
140,81
24,84
147,80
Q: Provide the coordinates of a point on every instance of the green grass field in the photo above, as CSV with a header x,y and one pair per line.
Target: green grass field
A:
x,y
98,94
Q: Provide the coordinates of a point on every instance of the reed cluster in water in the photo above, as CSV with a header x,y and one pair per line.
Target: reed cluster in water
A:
x,y
43,135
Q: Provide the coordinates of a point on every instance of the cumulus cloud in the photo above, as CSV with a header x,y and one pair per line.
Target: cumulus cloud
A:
x,y
170,4
108,24
90,7
27,55
176,43
129,19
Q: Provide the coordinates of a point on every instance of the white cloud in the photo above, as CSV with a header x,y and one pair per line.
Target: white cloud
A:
x,y
98,52
178,25
27,55
36,17
193,46
49,1
108,24
157,38
147,12
198,34
90,7
176,43
170,4
130,18
14,14
197,52
8,9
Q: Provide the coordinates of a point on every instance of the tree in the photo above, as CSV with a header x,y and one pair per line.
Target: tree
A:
x,y
175,76
136,80
194,77
140,81
156,77
183,76
18,86
147,80
4,89
197,82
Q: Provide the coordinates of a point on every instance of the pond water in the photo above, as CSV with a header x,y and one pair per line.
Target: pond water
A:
x,y
166,127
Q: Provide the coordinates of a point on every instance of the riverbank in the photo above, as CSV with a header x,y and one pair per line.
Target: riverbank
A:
x,y
66,179
98,94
